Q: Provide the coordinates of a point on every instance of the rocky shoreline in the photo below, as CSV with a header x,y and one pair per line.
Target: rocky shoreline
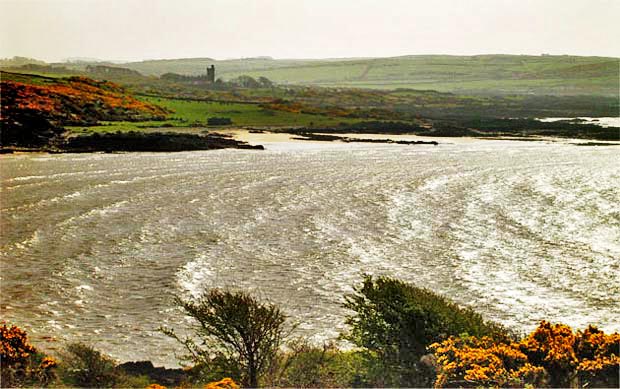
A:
x,y
137,142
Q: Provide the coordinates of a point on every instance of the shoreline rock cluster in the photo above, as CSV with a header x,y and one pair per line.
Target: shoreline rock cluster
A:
x,y
138,141
332,138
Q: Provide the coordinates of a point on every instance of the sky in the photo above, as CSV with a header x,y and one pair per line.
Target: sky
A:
x,y
131,30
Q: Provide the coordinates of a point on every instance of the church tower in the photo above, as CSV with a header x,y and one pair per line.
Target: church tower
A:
x,y
211,74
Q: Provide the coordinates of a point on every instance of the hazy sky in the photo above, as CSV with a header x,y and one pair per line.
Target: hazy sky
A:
x,y
146,29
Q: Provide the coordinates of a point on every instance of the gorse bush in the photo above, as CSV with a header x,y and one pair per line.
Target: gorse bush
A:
x,y
396,321
472,362
552,355
20,363
224,383
599,357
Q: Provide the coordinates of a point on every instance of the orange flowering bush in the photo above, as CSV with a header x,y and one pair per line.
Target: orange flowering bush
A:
x,y
551,346
483,361
599,357
225,383
551,355
32,115
21,363
155,386
76,99
14,346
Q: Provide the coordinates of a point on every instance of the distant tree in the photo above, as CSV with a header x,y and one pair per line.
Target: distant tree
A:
x,y
244,81
265,82
233,327
173,77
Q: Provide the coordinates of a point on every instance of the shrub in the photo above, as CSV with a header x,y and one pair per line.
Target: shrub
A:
x,y
21,364
469,361
224,383
154,386
551,355
132,381
83,366
599,357
396,321
551,346
237,330
304,365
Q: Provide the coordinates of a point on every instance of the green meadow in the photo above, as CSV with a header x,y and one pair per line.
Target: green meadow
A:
x,y
187,114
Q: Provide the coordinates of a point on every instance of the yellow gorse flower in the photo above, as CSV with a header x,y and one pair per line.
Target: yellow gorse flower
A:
x,y
551,347
225,383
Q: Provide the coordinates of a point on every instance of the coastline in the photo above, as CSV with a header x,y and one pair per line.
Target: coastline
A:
x,y
179,139
137,142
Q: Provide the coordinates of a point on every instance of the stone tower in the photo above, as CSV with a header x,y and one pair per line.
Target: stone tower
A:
x,y
211,74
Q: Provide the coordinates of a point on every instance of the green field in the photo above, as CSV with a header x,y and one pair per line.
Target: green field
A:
x,y
35,78
194,114
240,114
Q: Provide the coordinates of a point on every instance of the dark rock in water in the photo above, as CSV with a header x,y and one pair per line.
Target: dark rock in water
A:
x,y
161,375
331,138
252,147
416,142
319,137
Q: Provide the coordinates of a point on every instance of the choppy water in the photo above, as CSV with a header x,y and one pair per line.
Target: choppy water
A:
x,y
95,245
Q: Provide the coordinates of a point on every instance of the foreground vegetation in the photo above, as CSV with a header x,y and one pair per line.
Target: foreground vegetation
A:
x,y
404,336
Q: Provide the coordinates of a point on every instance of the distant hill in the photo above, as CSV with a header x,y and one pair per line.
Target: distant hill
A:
x,y
19,61
481,74
227,68
476,75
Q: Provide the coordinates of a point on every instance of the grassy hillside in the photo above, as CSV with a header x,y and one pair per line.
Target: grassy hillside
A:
x,y
483,74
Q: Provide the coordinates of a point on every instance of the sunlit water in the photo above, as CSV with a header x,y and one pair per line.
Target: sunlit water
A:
x,y
601,121
94,246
